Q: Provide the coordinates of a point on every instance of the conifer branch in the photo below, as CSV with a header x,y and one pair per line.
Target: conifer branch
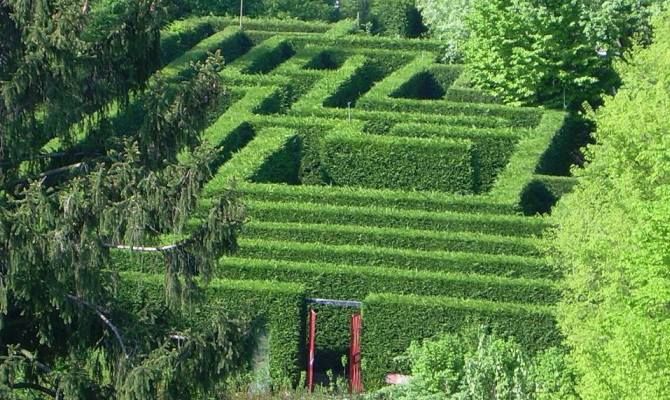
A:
x,y
104,319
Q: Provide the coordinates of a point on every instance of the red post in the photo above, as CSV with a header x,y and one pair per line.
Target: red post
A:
x,y
312,350
355,377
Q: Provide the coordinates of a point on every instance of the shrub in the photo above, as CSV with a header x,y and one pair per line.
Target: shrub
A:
x,y
493,148
384,217
401,163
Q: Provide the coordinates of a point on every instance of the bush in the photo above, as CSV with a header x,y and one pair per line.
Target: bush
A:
x,y
345,196
493,148
612,238
401,163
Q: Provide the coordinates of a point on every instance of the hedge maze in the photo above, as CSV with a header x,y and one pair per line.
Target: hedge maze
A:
x,y
373,173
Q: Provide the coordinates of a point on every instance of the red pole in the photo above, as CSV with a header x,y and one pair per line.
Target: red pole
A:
x,y
312,350
355,381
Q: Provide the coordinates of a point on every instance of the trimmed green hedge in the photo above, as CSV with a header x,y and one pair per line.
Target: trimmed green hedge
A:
x,y
231,41
315,213
379,162
392,322
397,17
512,116
337,88
338,281
269,157
409,259
393,238
181,35
493,147
524,161
264,57
279,306
346,196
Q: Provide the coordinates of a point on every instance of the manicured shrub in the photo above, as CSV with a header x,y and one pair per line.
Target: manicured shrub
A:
x,y
409,259
523,162
393,238
392,322
422,86
400,163
337,281
265,57
231,42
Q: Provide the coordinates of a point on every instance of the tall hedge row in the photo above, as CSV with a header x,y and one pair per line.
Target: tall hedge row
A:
x,y
389,218
337,281
353,159
408,259
392,322
393,237
345,196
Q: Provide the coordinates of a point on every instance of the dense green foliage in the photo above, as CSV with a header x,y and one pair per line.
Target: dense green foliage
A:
x,y
613,234
555,53
452,367
446,22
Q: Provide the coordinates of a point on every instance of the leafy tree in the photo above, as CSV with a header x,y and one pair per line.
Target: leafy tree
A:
x,y
446,22
558,53
612,238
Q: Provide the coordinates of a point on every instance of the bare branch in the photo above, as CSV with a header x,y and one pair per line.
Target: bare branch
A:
x,y
104,319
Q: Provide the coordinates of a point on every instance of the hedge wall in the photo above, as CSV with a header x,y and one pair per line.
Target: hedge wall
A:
x,y
397,17
179,36
281,306
392,322
264,57
353,159
339,281
269,157
346,196
383,217
492,146
393,237
231,41
409,259
523,162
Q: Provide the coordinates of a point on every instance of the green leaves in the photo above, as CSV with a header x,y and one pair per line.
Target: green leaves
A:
x,y
612,238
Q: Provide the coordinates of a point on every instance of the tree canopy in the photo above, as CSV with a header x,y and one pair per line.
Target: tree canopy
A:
x,y
612,237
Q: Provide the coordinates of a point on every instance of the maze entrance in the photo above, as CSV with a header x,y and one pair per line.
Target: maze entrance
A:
x,y
318,367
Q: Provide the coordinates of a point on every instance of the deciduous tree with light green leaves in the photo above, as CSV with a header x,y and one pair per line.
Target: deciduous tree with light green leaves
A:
x,y
613,238
557,53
